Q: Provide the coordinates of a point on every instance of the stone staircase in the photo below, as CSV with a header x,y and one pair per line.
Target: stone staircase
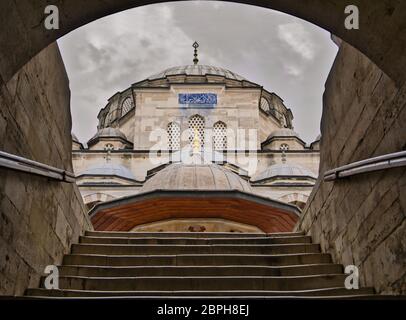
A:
x,y
221,265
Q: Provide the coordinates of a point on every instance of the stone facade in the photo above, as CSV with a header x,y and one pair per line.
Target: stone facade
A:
x,y
145,127
39,219
362,220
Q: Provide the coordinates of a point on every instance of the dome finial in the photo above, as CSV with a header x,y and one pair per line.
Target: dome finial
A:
x,y
195,45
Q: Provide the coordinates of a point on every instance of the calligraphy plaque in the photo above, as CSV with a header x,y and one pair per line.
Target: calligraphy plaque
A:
x,y
198,99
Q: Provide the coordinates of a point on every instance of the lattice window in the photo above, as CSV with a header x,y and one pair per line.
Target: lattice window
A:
x,y
220,136
196,127
126,106
173,136
108,147
265,105
284,147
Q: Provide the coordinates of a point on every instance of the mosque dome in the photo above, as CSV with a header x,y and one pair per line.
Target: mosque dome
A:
x,y
207,177
108,132
284,170
108,169
197,70
285,132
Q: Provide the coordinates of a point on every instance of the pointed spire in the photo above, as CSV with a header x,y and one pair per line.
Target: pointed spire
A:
x,y
195,60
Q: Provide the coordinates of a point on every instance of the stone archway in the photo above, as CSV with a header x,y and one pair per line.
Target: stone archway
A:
x,y
381,25
372,125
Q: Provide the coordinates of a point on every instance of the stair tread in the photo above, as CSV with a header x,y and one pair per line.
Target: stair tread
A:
x,y
191,234
203,266
196,255
323,292
195,246
192,238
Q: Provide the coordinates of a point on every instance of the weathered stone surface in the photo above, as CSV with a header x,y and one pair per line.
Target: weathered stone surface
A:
x,y
39,219
361,220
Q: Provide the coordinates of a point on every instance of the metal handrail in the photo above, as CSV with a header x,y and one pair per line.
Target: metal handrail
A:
x,y
387,161
18,163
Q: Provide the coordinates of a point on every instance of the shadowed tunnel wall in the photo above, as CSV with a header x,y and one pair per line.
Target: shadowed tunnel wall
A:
x,y
361,220
39,218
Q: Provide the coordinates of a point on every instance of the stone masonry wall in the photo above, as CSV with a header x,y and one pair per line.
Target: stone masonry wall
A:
x,y
361,220
39,218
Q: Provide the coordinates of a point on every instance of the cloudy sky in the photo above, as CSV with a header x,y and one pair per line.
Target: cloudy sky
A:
x,y
286,55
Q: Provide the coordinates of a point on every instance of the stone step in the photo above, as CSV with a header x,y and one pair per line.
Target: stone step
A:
x,y
196,259
201,283
135,249
327,292
192,241
189,234
300,270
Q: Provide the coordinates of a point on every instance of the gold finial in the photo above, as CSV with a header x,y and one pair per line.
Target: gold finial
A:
x,y
196,142
195,45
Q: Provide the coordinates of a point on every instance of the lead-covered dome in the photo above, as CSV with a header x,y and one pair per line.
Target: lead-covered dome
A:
x,y
284,170
191,177
283,133
108,133
197,70
108,169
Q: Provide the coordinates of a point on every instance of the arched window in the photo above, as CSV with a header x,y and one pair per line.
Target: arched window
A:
x,y
173,136
196,128
265,105
126,106
109,147
220,136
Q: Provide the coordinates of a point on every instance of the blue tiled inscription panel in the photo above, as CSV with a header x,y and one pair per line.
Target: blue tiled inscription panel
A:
x,y
198,99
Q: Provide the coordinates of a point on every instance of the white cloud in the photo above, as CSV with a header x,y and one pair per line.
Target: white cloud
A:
x,y
293,70
298,38
284,54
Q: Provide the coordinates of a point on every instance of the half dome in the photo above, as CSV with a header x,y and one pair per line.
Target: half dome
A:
x,y
191,177
197,70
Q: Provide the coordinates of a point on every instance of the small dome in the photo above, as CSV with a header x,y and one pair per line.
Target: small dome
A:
x,y
181,176
284,170
108,132
197,70
108,169
285,132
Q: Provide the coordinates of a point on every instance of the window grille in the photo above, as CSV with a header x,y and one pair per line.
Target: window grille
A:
x,y
173,136
220,136
196,126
